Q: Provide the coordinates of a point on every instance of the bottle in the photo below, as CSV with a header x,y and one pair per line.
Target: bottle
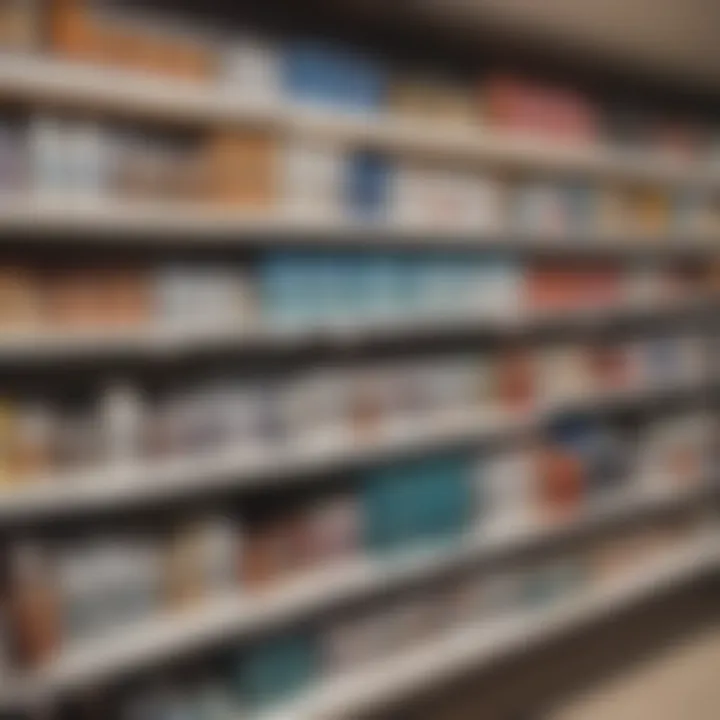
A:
x,y
34,607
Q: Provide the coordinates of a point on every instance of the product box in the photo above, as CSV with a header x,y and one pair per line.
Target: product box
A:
x,y
505,489
79,443
676,452
518,105
183,573
615,212
516,380
433,100
203,296
20,299
144,165
276,546
242,168
453,386
610,367
275,670
609,456
651,212
33,605
107,583
417,502
325,74
367,185
303,290
100,31
251,67
562,469
695,212
334,529
29,441
49,159
369,402
14,161
388,509
76,298
315,408
21,25
541,209
311,179
562,374
433,197
548,288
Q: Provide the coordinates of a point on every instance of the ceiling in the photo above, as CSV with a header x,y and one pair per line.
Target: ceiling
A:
x,y
674,36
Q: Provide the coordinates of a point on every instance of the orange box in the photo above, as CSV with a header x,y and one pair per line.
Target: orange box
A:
x,y
80,32
561,478
20,24
19,299
242,168
74,299
70,30
127,297
516,380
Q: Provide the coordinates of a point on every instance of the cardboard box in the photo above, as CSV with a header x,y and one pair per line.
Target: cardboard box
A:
x,y
242,166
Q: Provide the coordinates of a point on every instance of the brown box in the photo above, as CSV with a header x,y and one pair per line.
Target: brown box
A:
x,y
242,168
19,299
79,30
20,24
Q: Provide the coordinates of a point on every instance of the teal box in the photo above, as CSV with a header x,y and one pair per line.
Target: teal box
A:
x,y
389,515
418,502
449,495
289,291
276,670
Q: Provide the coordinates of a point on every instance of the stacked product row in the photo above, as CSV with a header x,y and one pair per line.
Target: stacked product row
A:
x,y
326,73
84,159
124,424
304,291
278,668
63,591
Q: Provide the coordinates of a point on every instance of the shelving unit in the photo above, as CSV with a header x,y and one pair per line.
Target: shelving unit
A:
x,y
474,648
39,222
68,84
145,484
155,641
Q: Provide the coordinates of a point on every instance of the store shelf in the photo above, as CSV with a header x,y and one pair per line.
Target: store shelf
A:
x,y
472,649
236,469
52,81
158,342
160,640
100,221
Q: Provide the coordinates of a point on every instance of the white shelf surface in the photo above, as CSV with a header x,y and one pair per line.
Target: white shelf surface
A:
x,y
476,647
158,341
99,221
236,468
47,80
237,616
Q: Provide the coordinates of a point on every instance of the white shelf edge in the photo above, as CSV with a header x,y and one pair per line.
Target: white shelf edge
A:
x,y
160,639
147,482
478,647
162,341
100,220
49,80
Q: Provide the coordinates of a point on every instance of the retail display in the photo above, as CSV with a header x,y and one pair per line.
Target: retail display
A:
x,y
504,353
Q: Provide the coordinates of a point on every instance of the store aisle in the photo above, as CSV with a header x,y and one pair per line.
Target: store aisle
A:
x,y
682,684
